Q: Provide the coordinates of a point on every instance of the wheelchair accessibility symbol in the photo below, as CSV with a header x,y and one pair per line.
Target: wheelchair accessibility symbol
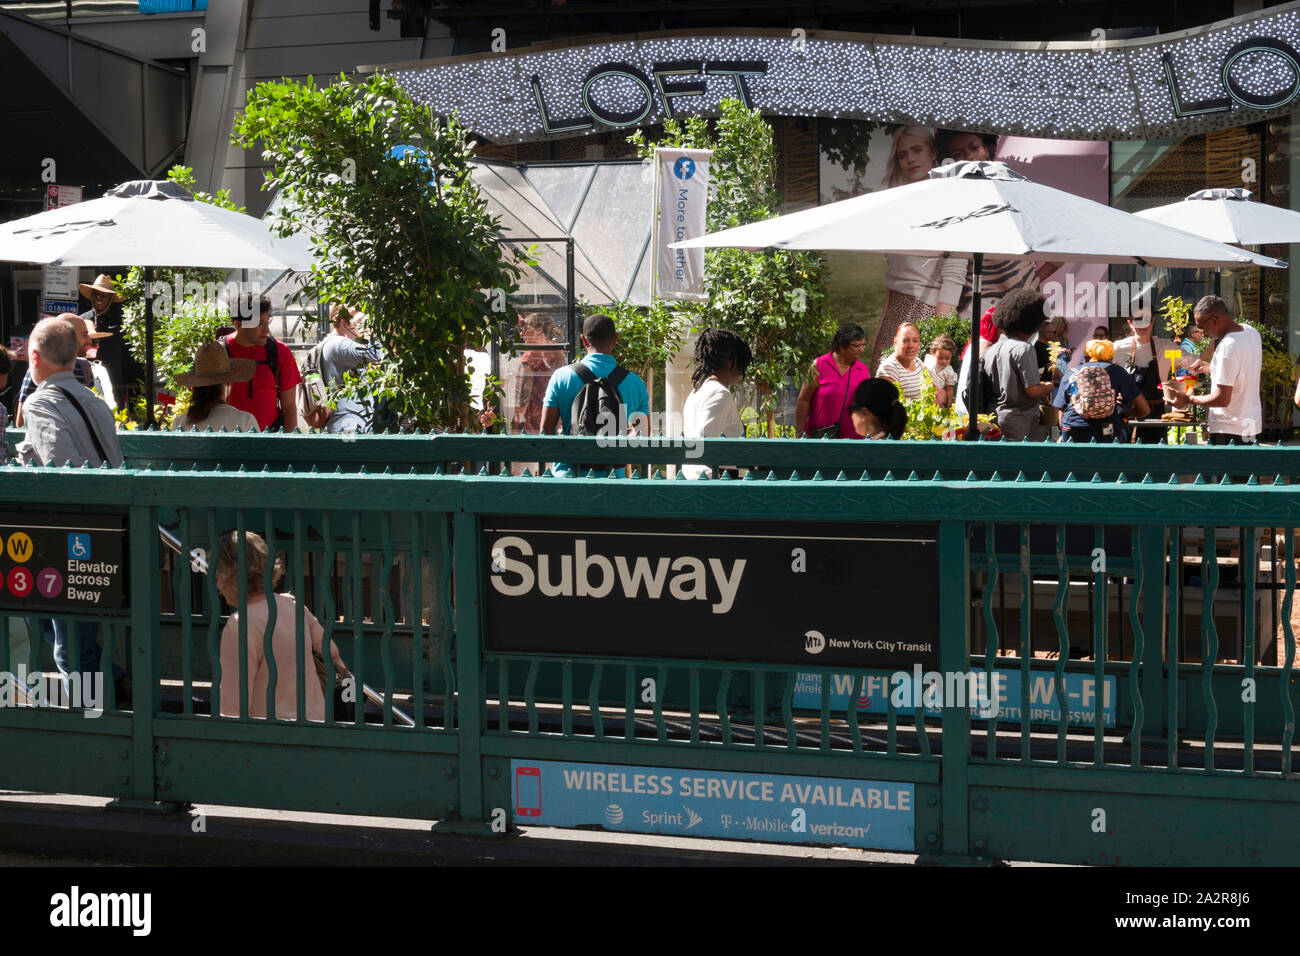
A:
x,y
79,546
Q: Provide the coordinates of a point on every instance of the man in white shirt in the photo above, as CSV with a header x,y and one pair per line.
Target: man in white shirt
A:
x,y
1235,412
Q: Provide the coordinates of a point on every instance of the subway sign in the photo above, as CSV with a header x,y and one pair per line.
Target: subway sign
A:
x,y
813,594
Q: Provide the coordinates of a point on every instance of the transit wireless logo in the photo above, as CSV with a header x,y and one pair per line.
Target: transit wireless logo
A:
x,y
684,168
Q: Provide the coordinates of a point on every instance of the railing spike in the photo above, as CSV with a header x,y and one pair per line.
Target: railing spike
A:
x,y
388,470
680,476
288,469
794,476
971,476
1252,480
1173,480
704,476
437,470
1020,476
726,476
482,471
865,476
817,475
525,474
749,475
1070,477
1096,478
241,468
613,473
657,475
217,467
636,471
1147,479
996,476
936,477
913,476
889,476
771,476
1199,479
1121,479
841,476
1046,476
1226,480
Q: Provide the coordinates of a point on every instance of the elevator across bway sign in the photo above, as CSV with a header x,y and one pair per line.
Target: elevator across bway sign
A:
x,y
62,562
853,595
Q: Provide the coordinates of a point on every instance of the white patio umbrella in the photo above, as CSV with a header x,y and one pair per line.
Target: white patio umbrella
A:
x,y
973,209
1229,215
150,223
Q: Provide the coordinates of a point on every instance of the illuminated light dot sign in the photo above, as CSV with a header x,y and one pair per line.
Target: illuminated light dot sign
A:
x,y
1127,89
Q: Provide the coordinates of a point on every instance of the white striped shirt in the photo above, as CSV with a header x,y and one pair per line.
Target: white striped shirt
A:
x,y
910,382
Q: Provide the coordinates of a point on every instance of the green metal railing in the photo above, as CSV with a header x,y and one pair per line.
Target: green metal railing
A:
x,y
393,566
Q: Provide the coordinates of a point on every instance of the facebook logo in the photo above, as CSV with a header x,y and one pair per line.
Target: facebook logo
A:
x,y
79,546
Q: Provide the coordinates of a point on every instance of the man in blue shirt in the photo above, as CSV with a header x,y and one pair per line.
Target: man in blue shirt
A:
x,y
599,338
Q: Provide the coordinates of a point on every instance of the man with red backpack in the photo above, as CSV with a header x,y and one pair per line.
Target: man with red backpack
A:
x,y
271,396
1092,395
595,395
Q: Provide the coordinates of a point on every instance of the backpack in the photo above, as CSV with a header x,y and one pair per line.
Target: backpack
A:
x,y
1093,395
313,395
988,393
271,360
598,402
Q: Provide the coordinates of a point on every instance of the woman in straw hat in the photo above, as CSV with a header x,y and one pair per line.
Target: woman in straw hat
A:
x,y
210,380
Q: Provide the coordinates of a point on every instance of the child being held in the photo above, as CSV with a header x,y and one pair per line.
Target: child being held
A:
x,y
939,362
255,613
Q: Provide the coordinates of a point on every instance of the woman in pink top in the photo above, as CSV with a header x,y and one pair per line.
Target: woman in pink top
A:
x,y
823,409
256,613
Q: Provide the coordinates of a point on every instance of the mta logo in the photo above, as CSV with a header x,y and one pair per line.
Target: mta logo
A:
x,y
79,546
684,168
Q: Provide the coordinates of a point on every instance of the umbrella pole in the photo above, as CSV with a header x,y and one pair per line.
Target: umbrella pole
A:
x,y
148,346
977,289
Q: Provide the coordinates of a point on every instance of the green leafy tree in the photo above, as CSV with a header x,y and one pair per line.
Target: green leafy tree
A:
x,y
402,233
648,337
774,299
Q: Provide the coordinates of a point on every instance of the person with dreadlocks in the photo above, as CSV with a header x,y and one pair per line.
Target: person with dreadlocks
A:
x,y
721,358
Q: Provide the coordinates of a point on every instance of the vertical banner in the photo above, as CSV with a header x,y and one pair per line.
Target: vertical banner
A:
x,y
681,199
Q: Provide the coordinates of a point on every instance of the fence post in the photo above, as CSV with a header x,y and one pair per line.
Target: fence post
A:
x,y
954,657
1153,545
467,569
145,786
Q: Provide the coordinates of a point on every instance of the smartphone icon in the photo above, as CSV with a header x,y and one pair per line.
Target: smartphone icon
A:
x,y
528,791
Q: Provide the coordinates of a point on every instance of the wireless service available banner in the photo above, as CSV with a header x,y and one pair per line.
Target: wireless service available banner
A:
x,y
768,807
682,177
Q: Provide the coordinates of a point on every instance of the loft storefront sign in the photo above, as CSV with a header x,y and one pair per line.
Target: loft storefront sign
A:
x,y
640,94
1277,54
810,594
1220,75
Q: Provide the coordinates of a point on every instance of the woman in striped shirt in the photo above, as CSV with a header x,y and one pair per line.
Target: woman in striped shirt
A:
x,y
902,367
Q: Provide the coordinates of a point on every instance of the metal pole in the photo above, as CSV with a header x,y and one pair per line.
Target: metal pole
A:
x,y
573,310
148,346
977,288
